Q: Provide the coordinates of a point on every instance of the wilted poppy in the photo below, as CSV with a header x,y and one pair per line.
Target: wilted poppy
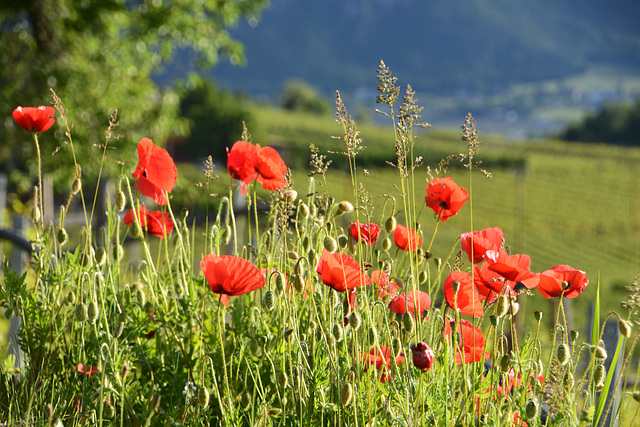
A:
x,y
341,272
562,280
483,241
87,370
423,356
470,342
156,223
231,275
512,267
381,358
445,197
387,287
367,233
156,171
468,299
35,119
411,301
406,238
271,168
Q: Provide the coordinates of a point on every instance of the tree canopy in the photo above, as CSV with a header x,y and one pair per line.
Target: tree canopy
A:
x,y
104,55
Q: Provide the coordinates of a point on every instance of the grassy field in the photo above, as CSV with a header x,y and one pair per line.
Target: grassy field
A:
x,y
559,203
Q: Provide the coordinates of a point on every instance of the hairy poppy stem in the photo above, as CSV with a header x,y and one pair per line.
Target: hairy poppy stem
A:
x,y
39,203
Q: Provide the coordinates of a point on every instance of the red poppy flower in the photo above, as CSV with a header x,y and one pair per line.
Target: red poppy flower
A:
x,y
341,272
156,223
423,356
271,168
412,301
386,286
490,284
406,238
35,119
468,299
471,342
156,171
368,233
230,275
445,197
241,160
381,358
87,370
483,241
562,280
512,267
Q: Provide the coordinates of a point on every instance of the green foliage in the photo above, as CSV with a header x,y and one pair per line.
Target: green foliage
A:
x,y
215,118
99,56
299,96
613,124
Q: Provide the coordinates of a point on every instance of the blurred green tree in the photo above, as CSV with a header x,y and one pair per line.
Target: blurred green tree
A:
x,y
300,96
617,124
99,56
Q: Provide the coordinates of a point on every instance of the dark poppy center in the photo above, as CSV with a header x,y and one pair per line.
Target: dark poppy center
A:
x,y
443,204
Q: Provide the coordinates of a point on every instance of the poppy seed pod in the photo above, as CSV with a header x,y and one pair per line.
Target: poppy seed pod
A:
x,y
269,300
346,393
76,186
203,397
81,312
92,312
625,328
121,201
390,224
330,244
574,334
344,207
62,236
563,354
408,322
537,315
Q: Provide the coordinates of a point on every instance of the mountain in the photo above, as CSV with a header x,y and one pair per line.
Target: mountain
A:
x,y
472,46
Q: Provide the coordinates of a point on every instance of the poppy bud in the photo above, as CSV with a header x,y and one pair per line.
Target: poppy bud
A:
x,y
396,346
537,315
227,233
104,351
269,300
423,356
290,196
121,201
62,236
76,186
346,393
109,411
344,207
279,282
502,306
118,331
330,244
599,375
574,334
311,255
531,410
438,262
386,244
155,403
337,332
141,297
71,297
601,352
81,312
408,322
563,354
92,312
343,241
493,320
514,307
293,255
148,307
568,381
297,282
373,335
118,252
48,410
203,397
133,230
625,328
636,396
304,210
390,224
282,380
100,256
422,277
35,214
505,362
355,320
